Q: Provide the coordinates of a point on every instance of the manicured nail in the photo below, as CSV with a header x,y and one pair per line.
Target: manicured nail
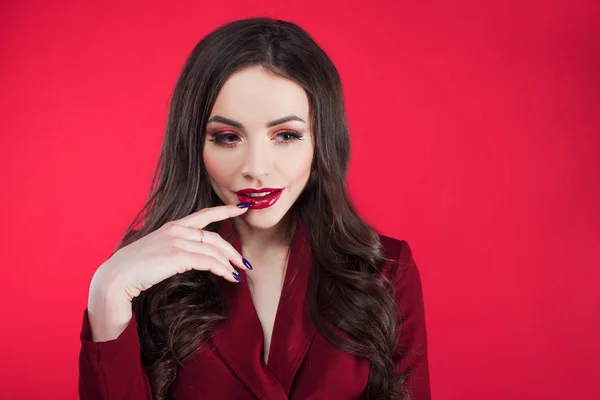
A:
x,y
238,277
247,263
244,205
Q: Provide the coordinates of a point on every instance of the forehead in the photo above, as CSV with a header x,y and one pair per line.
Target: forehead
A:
x,y
255,95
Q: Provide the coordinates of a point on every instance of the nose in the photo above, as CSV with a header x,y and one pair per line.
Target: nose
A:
x,y
257,159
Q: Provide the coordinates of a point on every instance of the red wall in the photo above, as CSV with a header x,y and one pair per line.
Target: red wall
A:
x,y
475,129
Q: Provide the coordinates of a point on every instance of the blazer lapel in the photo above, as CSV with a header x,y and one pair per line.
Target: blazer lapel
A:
x,y
239,338
293,331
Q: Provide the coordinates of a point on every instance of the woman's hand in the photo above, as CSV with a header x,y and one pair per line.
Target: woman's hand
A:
x,y
172,249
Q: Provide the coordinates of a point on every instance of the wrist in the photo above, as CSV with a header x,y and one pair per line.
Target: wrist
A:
x,y
108,300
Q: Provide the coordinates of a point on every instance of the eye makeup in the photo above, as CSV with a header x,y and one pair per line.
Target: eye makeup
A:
x,y
230,138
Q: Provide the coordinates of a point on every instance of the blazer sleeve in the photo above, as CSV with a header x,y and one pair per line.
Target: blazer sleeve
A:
x,y
112,370
411,355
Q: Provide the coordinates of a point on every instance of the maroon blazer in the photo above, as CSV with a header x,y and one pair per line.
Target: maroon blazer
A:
x,y
302,365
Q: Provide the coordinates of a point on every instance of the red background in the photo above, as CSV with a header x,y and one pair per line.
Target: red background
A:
x,y
475,129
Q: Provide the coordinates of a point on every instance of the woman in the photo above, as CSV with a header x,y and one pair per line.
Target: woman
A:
x,y
254,162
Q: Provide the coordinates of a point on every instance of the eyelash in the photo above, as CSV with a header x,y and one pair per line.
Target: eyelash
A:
x,y
218,138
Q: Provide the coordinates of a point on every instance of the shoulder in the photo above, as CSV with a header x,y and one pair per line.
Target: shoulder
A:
x,y
395,249
400,267
397,253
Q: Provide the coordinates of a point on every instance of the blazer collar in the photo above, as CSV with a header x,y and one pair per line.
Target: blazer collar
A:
x,y
239,338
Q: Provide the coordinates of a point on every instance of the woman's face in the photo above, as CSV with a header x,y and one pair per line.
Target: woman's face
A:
x,y
258,136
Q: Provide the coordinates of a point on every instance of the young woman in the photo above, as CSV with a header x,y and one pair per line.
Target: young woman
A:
x,y
254,163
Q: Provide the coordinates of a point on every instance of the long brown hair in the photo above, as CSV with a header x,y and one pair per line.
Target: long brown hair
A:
x,y
177,315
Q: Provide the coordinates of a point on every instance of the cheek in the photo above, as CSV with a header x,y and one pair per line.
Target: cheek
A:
x,y
220,167
297,167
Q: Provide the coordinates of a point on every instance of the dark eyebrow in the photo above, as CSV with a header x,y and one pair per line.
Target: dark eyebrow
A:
x,y
218,118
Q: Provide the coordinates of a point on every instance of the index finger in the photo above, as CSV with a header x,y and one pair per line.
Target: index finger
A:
x,y
207,216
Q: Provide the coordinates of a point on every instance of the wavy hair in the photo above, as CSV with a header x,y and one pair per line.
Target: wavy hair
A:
x,y
345,296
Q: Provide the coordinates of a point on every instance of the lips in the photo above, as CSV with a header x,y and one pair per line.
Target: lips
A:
x,y
260,198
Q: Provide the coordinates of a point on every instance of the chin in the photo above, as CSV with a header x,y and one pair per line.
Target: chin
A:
x,y
263,219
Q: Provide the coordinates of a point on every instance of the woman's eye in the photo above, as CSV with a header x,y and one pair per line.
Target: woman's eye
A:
x,y
225,138
288,136
229,138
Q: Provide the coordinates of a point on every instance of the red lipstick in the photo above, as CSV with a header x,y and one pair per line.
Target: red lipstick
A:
x,y
257,198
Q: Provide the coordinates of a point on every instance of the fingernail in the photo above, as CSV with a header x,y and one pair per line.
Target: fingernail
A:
x,y
238,277
247,263
244,205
